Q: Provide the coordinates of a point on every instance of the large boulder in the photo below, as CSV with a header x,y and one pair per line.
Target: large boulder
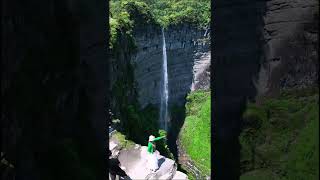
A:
x,y
134,162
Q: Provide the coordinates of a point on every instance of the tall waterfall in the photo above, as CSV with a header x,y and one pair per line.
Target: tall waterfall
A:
x,y
164,118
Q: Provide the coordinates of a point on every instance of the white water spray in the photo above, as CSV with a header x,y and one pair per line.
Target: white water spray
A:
x,y
164,118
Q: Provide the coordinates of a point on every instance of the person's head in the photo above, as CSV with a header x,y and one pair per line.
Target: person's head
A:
x,y
151,138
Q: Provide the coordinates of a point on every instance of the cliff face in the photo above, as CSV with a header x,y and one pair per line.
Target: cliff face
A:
x,y
53,84
290,44
262,47
121,73
188,53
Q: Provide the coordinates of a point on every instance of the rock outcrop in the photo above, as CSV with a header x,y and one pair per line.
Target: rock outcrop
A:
x,y
133,161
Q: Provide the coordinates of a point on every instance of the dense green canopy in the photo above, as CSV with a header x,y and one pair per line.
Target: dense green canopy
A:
x,y
124,14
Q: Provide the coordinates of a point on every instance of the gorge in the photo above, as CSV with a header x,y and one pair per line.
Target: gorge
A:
x,y
188,68
59,80
165,63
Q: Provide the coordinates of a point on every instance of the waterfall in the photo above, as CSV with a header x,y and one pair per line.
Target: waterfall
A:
x,y
164,118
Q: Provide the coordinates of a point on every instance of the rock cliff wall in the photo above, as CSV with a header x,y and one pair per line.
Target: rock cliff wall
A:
x,y
261,48
188,53
290,44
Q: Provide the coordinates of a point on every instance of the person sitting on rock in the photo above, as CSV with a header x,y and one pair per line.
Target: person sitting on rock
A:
x,y
152,157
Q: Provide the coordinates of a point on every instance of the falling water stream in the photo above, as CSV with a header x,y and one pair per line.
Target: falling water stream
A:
x,y
164,87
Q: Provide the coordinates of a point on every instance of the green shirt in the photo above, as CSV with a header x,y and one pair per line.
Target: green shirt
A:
x,y
150,145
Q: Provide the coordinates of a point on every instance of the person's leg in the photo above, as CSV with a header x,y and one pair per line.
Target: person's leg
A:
x,y
155,161
149,161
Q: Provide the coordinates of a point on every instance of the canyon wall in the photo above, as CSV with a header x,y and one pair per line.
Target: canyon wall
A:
x,y
261,48
188,53
290,44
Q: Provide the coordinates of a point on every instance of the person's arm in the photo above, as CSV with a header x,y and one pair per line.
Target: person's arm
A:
x,y
158,138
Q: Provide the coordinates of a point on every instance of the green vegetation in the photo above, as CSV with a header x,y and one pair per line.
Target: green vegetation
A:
x,y
173,12
280,137
162,145
139,124
123,142
195,133
126,14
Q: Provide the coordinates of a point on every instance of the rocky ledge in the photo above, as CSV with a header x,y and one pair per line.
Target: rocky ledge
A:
x,y
133,161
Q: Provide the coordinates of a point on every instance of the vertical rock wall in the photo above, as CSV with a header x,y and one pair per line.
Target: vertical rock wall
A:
x,y
188,51
261,47
290,44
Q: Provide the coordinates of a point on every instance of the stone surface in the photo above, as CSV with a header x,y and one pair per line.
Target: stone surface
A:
x,y
201,72
179,175
133,161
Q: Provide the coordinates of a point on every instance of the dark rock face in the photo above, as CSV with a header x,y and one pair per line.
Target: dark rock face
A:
x,y
188,53
122,86
261,48
53,83
290,58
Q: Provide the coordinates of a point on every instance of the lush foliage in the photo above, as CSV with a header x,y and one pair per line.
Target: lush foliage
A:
x,y
125,14
122,140
195,133
280,137
162,145
139,124
170,12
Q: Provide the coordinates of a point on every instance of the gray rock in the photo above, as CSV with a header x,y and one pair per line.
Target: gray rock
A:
x,y
133,162
188,59
290,34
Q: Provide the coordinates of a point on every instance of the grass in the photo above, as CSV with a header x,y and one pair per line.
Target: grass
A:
x,y
195,133
279,137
